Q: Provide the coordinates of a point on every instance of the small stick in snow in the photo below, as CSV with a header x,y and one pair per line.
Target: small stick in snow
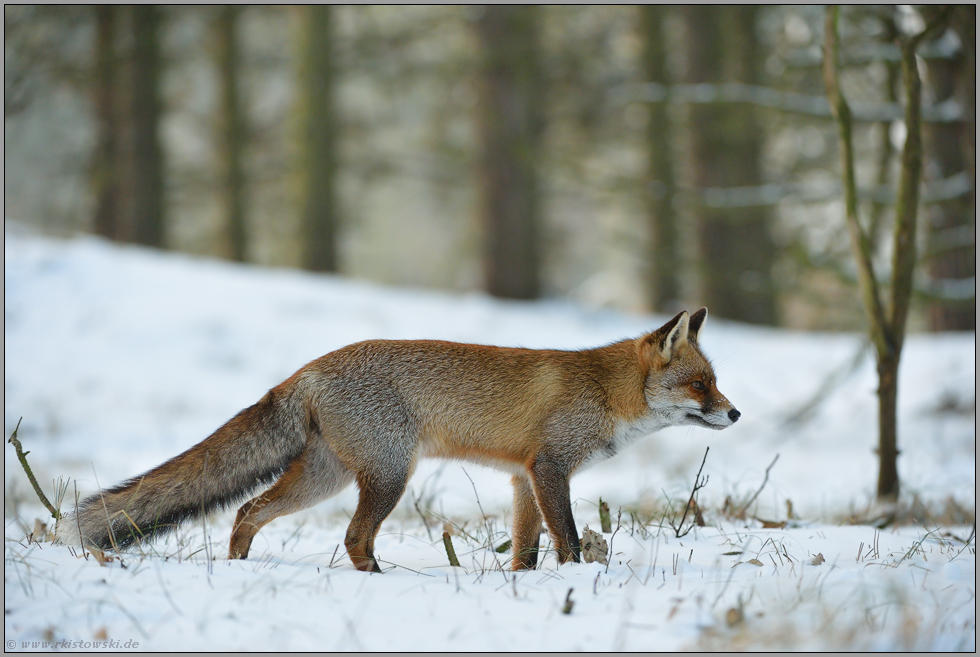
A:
x,y
22,457
605,521
450,551
569,603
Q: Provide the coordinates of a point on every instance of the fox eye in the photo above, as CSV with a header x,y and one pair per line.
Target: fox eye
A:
x,y
697,385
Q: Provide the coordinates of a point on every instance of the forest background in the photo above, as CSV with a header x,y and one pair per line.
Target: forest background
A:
x,y
643,158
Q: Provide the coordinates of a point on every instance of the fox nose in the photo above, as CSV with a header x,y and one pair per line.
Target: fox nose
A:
x,y
733,415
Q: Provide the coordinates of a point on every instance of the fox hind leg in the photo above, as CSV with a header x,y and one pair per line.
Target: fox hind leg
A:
x,y
527,525
312,477
380,492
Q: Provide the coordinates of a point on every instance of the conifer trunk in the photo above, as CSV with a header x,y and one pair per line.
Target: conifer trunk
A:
x,y
736,248
147,156
105,176
665,257
509,127
232,131
318,201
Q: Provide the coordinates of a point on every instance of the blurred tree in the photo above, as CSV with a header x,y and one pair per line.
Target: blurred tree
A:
x,y
105,170
887,321
423,87
509,119
146,169
886,152
964,23
233,132
736,248
951,151
664,286
318,157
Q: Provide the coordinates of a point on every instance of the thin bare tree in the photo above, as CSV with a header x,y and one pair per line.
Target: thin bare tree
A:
x,y
886,321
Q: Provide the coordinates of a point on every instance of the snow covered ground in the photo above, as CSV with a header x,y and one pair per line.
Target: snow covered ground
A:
x,y
118,358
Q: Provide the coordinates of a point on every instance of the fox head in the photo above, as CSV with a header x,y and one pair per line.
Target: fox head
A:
x,y
680,384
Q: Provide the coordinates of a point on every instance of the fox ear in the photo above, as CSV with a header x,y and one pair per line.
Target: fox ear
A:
x,y
669,337
697,321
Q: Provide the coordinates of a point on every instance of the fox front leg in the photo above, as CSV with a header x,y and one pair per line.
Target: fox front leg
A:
x,y
550,481
527,525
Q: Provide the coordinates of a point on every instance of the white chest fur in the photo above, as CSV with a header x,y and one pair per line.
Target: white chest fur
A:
x,y
624,434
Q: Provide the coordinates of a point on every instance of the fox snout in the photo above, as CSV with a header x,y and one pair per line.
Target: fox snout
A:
x,y
732,416
718,421
712,414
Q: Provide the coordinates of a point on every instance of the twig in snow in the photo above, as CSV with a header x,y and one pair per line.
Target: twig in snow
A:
x,y
425,521
450,551
619,515
741,511
486,522
698,485
22,457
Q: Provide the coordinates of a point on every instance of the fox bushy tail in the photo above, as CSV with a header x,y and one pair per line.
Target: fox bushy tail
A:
x,y
250,450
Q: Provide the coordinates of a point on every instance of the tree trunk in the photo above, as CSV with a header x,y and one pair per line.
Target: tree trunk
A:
x,y
232,131
664,284
903,268
509,127
965,24
888,487
318,162
736,247
949,149
105,178
147,159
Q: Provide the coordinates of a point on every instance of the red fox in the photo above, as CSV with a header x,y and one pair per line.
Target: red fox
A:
x,y
369,411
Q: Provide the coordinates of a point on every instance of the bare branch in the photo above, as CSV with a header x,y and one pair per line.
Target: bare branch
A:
x,y
880,335
785,101
698,485
741,511
907,203
22,457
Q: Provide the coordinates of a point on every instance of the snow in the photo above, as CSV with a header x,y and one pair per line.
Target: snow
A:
x,y
118,358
